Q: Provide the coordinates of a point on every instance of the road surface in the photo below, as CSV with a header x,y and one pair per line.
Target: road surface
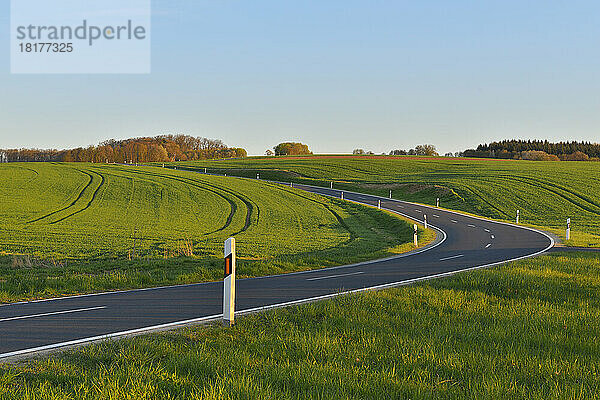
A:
x,y
463,243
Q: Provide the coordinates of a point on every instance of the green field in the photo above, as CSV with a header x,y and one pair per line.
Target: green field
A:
x,y
73,228
546,193
524,330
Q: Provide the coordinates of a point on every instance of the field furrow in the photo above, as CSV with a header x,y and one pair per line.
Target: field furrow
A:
x,y
78,197
89,203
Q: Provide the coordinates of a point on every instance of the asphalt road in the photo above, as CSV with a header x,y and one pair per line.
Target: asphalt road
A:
x,y
463,243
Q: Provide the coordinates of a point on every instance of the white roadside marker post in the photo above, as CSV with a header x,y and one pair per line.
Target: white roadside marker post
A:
x,y
257,176
437,202
331,185
390,193
379,204
517,217
291,184
205,170
229,283
416,237
425,220
342,196
568,228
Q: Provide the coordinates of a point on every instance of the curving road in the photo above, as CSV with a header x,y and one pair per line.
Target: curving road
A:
x,y
463,243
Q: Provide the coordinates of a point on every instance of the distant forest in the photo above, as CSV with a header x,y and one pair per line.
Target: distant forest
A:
x,y
138,150
522,149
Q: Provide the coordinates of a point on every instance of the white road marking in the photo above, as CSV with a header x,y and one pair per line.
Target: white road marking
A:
x,y
493,237
450,258
488,245
487,230
453,221
471,226
335,276
436,216
52,313
419,211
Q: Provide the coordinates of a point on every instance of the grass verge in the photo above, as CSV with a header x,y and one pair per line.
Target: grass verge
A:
x,y
524,330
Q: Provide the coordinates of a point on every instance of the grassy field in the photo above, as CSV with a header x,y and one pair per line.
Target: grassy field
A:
x,y
546,193
73,228
525,330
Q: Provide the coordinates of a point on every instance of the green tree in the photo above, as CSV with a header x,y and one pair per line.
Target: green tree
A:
x,y
291,149
426,150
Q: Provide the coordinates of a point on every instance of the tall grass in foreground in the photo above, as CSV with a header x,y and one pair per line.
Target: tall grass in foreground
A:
x,y
525,330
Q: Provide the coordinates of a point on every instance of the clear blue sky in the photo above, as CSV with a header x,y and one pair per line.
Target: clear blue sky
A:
x,y
334,74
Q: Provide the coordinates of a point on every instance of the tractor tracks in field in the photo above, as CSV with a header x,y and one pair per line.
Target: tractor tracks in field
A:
x,y
88,205
338,217
578,199
251,208
80,196
568,195
232,205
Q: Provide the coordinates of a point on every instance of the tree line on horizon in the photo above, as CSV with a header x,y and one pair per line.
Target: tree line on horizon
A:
x,y
427,150
541,150
164,148
168,148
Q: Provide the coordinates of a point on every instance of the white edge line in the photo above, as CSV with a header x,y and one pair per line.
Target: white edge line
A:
x,y
488,245
388,285
108,336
